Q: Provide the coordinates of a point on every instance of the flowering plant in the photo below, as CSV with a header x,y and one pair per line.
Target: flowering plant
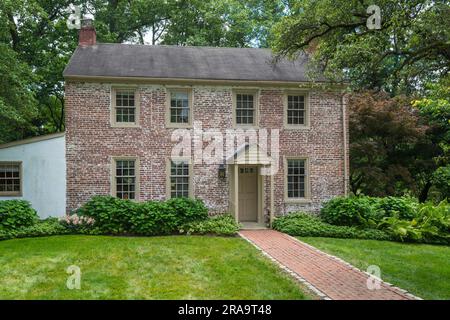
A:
x,y
77,222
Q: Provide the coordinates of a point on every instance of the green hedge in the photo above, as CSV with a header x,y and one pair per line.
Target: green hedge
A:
x,y
367,211
15,214
305,225
116,216
48,227
224,225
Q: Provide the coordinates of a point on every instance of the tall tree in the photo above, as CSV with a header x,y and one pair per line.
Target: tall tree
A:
x,y
411,46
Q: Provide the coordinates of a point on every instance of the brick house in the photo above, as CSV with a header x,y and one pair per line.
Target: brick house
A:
x,y
128,105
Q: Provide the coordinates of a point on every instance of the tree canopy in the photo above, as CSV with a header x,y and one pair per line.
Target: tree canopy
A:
x,y
411,47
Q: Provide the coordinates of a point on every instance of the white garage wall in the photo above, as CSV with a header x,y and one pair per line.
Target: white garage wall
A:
x,y
43,173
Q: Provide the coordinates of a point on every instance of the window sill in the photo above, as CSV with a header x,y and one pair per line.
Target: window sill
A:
x,y
300,127
178,126
125,125
298,201
10,194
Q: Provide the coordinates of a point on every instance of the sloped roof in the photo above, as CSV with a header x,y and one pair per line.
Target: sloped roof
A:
x,y
249,154
176,62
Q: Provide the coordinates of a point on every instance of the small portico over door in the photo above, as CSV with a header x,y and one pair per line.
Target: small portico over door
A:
x,y
247,184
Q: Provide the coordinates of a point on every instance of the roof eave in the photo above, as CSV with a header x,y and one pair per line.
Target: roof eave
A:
x,y
260,83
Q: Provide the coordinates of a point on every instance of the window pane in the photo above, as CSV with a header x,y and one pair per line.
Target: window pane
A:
x,y
125,179
179,179
244,109
296,176
10,177
296,110
125,106
179,107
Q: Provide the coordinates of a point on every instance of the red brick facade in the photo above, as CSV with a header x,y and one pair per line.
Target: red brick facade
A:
x,y
91,142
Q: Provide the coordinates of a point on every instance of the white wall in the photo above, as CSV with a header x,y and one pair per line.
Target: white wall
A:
x,y
43,174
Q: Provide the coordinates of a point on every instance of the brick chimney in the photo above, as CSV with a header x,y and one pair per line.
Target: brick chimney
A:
x,y
87,35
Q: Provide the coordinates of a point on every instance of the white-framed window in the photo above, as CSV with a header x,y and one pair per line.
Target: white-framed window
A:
x,y
10,178
296,179
245,108
126,178
125,107
179,180
296,110
179,111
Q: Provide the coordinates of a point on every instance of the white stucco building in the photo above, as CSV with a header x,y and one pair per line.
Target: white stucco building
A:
x,y
35,170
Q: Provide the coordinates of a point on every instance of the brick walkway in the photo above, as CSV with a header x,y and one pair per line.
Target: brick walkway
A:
x,y
328,276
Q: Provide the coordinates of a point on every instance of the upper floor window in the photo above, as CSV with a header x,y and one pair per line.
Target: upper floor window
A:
x,y
245,109
296,110
296,179
125,107
126,178
10,179
179,108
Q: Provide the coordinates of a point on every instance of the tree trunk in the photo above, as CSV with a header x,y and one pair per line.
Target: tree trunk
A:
x,y
424,192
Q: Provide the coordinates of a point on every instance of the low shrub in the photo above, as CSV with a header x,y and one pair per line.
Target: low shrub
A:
x,y
187,209
15,214
366,211
431,224
223,225
352,211
154,217
118,216
47,227
304,225
405,207
111,215
78,224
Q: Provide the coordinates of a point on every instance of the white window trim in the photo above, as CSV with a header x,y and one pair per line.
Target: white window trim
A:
x,y
137,102
136,172
307,197
168,175
189,91
256,94
307,110
14,193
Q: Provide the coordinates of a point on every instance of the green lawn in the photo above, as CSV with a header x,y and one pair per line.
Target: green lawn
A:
x,y
423,270
173,267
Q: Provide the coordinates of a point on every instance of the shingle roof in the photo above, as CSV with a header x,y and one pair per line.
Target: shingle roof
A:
x,y
203,63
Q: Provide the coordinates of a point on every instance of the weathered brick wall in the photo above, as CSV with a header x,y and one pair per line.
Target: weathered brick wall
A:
x,y
91,143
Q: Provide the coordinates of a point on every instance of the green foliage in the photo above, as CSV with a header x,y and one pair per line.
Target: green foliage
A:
x,y
15,214
118,216
351,211
304,225
48,227
367,211
223,225
408,50
441,181
112,215
405,207
78,224
154,217
18,105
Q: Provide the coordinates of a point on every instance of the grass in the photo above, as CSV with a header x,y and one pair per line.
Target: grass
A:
x,y
423,270
173,267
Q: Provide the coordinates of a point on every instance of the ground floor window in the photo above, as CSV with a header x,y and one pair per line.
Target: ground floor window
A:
x,y
296,178
125,178
10,179
180,178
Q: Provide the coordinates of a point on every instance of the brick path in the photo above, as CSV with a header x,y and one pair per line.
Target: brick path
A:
x,y
328,276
